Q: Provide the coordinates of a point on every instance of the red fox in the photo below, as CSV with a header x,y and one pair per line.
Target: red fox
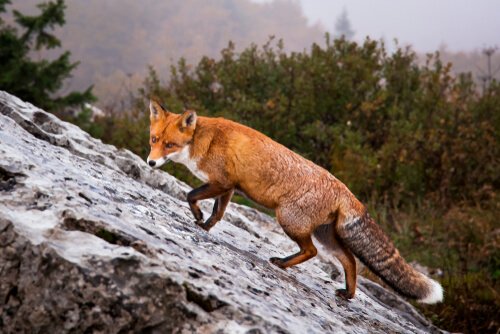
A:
x,y
308,200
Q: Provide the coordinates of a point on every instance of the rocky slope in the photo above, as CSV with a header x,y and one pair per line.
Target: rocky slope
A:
x,y
93,240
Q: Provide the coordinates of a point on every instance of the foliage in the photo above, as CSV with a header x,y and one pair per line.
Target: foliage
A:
x,y
412,132
417,143
461,245
36,81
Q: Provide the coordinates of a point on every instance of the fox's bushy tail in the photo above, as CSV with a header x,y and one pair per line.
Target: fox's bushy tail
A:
x,y
370,244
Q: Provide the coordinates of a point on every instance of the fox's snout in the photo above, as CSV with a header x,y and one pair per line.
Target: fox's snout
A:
x,y
156,163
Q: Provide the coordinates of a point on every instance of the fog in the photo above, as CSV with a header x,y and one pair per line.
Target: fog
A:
x,y
460,25
116,40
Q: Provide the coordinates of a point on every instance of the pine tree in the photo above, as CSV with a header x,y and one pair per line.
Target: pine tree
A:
x,y
37,81
343,26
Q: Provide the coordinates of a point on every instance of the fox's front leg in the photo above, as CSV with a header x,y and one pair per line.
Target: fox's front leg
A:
x,y
220,205
209,190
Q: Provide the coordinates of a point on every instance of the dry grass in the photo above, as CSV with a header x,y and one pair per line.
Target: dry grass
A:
x,y
461,247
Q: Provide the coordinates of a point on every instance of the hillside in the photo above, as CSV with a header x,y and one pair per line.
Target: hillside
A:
x,y
92,239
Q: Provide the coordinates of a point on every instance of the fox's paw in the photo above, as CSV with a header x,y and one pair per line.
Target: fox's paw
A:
x,y
199,222
277,262
344,294
204,225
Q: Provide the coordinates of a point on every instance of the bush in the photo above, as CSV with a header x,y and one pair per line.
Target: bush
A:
x,y
356,110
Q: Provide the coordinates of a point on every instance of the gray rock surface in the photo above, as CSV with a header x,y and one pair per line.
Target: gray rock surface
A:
x,y
94,241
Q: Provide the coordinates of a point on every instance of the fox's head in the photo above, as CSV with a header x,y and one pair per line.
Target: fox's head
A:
x,y
170,134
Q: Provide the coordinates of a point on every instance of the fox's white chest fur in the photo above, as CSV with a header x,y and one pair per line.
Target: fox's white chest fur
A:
x,y
183,157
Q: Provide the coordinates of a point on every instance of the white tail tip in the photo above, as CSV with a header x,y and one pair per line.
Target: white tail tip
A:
x,y
435,294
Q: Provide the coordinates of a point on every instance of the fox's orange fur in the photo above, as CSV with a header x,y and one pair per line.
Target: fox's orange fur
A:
x,y
308,200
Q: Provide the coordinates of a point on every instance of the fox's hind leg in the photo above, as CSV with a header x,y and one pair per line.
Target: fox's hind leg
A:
x,y
326,235
291,223
307,251
349,263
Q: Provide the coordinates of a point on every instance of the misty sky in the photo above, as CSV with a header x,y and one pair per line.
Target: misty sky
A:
x,y
426,24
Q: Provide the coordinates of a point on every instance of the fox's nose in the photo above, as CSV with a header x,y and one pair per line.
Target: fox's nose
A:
x,y
152,163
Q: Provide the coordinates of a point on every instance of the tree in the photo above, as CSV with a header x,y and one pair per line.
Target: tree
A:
x,y
343,26
37,81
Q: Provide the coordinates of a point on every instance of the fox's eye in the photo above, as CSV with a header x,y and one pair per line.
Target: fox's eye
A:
x,y
153,140
169,145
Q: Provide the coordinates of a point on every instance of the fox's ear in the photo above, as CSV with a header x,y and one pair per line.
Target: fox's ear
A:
x,y
156,110
188,120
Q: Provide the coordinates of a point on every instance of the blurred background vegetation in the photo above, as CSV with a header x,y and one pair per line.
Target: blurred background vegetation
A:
x,y
414,139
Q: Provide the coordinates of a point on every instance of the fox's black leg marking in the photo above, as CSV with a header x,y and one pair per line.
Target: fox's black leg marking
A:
x,y
208,190
218,211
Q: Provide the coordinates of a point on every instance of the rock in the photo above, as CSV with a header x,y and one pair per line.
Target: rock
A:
x,y
93,240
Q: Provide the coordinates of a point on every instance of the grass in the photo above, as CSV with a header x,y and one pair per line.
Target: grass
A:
x,y
461,246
